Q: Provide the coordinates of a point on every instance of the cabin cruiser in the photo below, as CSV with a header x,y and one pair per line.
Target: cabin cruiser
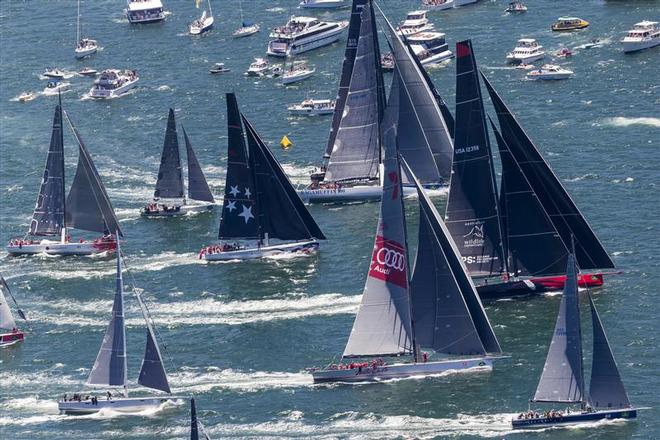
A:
x,y
259,67
643,35
54,88
527,50
516,7
26,96
247,28
313,107
438,5
201,25
86,47
297,72
430,47
550,72
145,11
322,4
569,24
114,83
415,22
88,71
55,73
218,68
302,34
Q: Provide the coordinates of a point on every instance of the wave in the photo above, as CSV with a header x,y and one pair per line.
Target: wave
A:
x,y
194,381
621,121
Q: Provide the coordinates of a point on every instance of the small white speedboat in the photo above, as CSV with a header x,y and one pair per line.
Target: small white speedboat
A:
x,y
322,4
246,30
218,68
54,73
437,5
85,48
54,88
523,66
88,71
516,8
297,72
550,72
313,107
201,25
26,96
259,67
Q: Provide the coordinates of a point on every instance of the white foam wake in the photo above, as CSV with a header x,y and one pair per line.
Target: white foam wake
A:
x,y
195,381
620,121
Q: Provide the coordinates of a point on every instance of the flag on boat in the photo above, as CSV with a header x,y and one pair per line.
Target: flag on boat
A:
x,y
197,3
285,143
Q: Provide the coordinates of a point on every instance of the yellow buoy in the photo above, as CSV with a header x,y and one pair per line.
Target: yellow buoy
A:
x,y
285,143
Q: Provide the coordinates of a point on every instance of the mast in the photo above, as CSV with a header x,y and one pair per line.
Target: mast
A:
x,y
78,25
210,11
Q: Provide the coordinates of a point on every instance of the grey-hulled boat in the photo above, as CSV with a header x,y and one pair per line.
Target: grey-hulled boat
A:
x,y
262,215
562,380
87,206
170,185
110,368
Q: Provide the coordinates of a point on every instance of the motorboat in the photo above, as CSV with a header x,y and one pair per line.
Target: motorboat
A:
x,y
88,71
430,47
593,43
113,83
259,67
550,72
26,96
54,88
643,35
144,11
416,21
459,3
310,107
219,68
527,51
247,28
564,52
84,46
297,72
516,8
203,23
322,4
569,24
302,34
523,66
55,73
437,5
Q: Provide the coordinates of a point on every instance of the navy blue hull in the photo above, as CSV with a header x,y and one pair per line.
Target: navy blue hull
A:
x,y
569,419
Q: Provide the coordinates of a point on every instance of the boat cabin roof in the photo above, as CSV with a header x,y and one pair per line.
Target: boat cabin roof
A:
x,y
143,5
569,19
646,24
303,20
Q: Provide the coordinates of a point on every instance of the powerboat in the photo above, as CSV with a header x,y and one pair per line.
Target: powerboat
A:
x,y
527,51
85,48
430,47
437,5
302,34
297,72
550,72
322,4
26,96
259,67
55,73
569,24
247,28
516,8
54,88
144,11
203,23
416,21
565,52
313,107
114,83
88,71
218,68
643,35
387,62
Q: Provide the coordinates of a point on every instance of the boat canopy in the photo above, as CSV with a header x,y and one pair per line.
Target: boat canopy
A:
x,y
170,175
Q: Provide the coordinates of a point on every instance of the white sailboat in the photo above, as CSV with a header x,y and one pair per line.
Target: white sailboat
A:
x,y
203,23
7,321
247,27
84,46
110,367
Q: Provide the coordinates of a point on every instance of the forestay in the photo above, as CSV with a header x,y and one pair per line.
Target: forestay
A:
x,y
198,188
170,177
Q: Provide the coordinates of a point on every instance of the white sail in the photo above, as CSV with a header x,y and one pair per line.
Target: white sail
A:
x,y
6,318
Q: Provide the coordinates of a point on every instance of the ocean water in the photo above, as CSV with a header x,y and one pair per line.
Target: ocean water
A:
x,y
240,335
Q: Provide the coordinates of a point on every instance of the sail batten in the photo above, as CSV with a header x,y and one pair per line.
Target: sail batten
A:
x,y
170,176
198,188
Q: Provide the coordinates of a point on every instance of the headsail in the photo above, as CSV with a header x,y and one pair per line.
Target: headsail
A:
x,y
383,325
561,209
198,188
239,183
472,214
88,204
170,177
152,373
6,317
281,212
606,389
562,379
356,142
48,216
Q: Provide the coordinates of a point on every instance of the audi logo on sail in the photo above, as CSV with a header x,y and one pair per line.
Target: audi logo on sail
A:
x,y
391,258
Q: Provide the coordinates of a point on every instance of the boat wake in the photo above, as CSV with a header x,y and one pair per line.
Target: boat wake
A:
x,y
193,380
621,121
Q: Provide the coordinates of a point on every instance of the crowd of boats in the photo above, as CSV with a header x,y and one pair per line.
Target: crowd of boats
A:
x,y
522,236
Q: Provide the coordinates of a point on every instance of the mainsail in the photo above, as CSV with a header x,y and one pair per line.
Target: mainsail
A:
x,y
354,144
198,188
194,429
562,380
88,204
472,214
383,324
170,177
564,214
48,216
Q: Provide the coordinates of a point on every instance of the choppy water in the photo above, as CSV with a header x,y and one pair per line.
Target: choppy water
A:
x,y
239,336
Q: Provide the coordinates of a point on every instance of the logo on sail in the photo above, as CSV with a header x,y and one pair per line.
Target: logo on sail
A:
x,y
476,235
388,262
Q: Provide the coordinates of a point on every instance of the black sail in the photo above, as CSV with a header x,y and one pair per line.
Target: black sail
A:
x,y
239,183
48,216
88,204
534,246
194,429
170,177
564,214
152,373
472,208
198,188
281,212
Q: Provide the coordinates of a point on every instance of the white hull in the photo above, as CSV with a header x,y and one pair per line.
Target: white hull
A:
x,y
297,77
438,58
121,404
550,76
246,31
323,4
82,53
310,111
58,248
54,91
305,46
634,46
198,30
262,252
525,59
440,7
99,93
395,371
179,210
349,194
459,3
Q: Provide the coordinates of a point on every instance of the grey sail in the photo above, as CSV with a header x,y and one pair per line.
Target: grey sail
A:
x,y
198,188
88,204
355,153
152,373
425,124
4,289
447,311
562,380
48,216
170,177
606,389
383,324
110,366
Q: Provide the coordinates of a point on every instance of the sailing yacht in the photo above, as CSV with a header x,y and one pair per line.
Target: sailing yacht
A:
x,y
110,367
247,27
170,179
204,23
87,206
262,215
196,427
562,380
7,321
84,46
